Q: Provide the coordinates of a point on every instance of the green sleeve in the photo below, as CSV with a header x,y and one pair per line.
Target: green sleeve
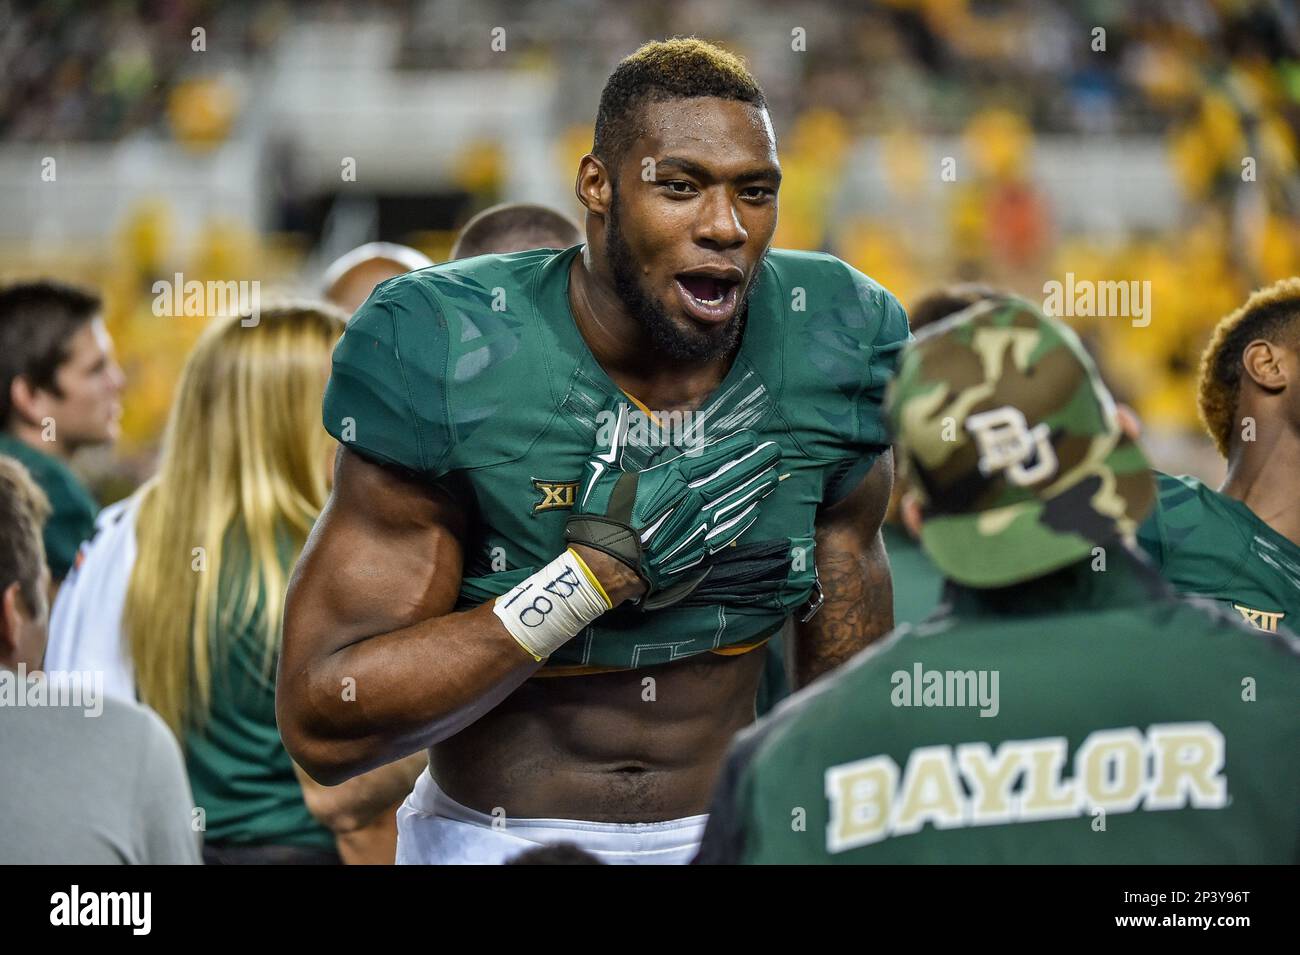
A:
x,y
387,393
887,334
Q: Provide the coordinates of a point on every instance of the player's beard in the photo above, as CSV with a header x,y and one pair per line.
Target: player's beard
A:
x,y
680,342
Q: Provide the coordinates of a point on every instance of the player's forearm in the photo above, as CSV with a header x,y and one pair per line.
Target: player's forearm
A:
x,y
858,607
387,696
375,699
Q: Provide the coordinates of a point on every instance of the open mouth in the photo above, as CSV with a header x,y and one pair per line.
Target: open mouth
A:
x,y
708,298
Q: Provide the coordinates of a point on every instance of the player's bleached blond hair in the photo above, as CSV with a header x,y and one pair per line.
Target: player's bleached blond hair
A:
x,y
1271,313
683,67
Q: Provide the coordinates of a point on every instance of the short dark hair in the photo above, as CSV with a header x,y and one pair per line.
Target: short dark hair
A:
x,y
681,68
24,509
36,321
528,225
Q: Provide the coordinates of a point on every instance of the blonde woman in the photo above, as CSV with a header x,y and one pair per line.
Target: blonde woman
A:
x,y
179,598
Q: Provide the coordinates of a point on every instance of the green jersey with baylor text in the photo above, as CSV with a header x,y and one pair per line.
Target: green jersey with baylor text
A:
x,y
474,374
1210,545
1084,717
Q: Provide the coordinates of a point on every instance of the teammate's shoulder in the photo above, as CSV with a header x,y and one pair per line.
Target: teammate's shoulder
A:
x,y
1186,501
1176,489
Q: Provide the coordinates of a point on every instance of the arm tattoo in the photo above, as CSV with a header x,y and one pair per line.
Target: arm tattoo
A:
x,y
854,573
859,608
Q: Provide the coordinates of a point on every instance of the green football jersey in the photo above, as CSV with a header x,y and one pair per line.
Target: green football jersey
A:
x,y
1084,717
1210,545
474,373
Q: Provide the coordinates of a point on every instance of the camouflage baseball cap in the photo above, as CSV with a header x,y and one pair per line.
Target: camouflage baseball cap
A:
x,y
1014,444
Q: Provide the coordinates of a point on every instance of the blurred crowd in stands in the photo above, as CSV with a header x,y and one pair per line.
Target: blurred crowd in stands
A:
x,y
1218,81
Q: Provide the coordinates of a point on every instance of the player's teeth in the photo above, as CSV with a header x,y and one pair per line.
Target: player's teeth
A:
x,y
719,289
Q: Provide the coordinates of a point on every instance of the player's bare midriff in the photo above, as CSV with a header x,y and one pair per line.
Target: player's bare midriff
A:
x,y
608,747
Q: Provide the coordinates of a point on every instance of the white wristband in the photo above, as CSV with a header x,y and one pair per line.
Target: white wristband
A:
x,y
551,607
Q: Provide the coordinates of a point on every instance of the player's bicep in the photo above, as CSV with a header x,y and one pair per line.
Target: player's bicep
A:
x,y
385,553
859,514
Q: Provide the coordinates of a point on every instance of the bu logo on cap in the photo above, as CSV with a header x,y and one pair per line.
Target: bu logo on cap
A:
x,y
1006,443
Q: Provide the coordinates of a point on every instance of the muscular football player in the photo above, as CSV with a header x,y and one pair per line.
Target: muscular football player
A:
x,y
491,411
362,812
1240,545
